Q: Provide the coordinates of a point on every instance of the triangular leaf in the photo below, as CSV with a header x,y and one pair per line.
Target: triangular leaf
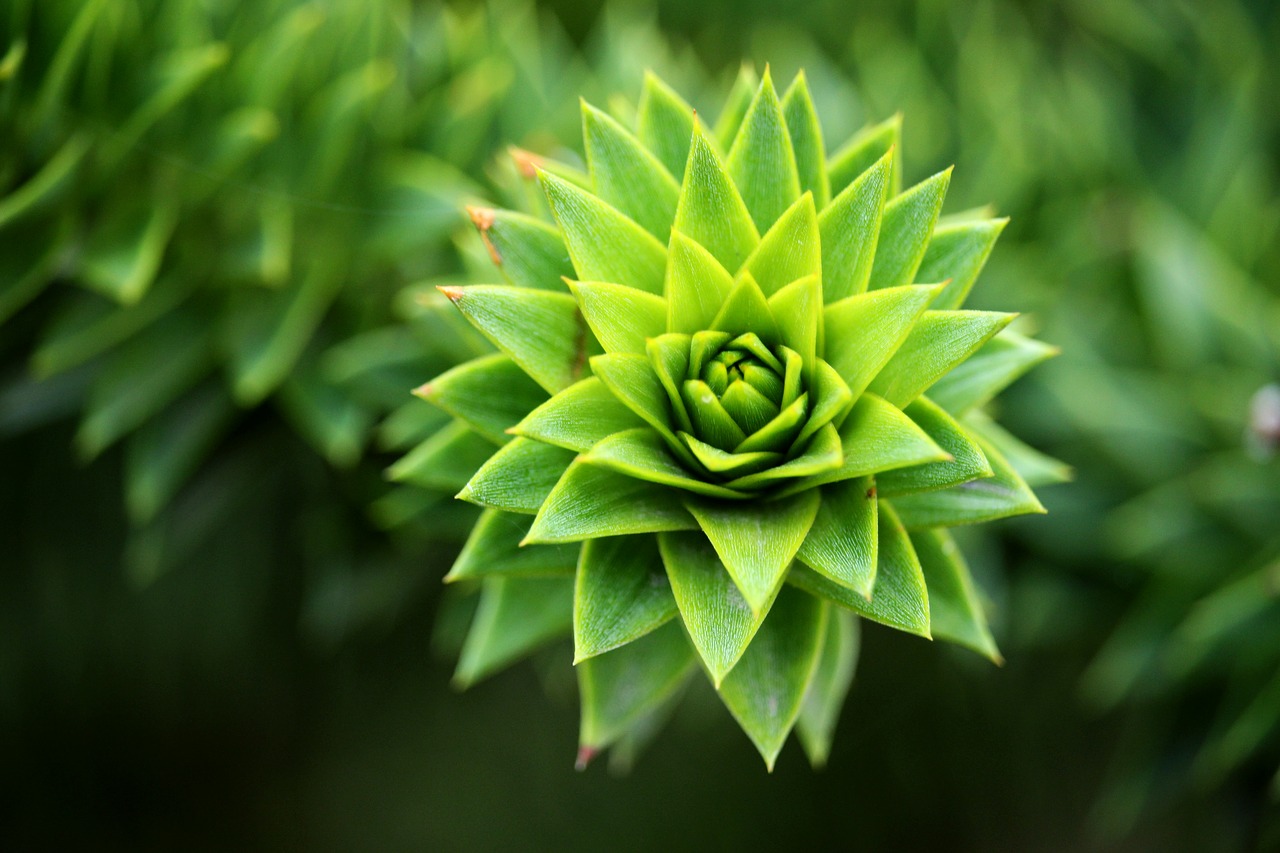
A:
x,y
528,252
938,342
641,453
878,437
514,618
904,232
590,502
445,461
578,417
711,210
967,460
619,688
761,160
541,331
823,454
865,148
518,477
956,254
850,229
844,539
605,244
746,310
822,704
664,124
998,496
715,614
990,370
736,106
493,548
1038,469
798,309
489,394
954,608
621,317
621,594
696,286
765,691
757,541
626,175
632,380
806,140
791,249
899,599
863,332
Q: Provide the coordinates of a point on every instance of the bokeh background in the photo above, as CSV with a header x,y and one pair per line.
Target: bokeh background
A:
x,y
218,618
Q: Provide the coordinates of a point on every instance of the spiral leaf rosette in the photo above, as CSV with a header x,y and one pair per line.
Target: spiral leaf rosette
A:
x,y
728,420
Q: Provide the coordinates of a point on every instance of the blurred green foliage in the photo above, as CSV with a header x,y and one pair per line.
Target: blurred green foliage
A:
x,y
211,215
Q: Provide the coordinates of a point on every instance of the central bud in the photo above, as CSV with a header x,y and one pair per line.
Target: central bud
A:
x,y
739,404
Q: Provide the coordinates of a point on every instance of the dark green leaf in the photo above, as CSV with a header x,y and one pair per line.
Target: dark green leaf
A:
x,y
954,608
446,461
514,618
619,688
493,549
621,594
830,686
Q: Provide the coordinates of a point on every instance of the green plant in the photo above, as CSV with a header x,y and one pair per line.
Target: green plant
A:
x,y
710,397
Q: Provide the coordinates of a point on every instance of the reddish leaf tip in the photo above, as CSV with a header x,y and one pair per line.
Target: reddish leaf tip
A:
x,y
452,292
584,757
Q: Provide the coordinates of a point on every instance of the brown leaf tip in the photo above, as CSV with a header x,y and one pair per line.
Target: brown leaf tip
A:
x,y
483,217
453,292
526,162
584,758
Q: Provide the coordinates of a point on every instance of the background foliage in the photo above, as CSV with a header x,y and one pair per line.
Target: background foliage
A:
x,y
213,219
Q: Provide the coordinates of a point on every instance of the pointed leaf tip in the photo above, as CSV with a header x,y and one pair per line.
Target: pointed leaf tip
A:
x,y
452,292
586,754
527,163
